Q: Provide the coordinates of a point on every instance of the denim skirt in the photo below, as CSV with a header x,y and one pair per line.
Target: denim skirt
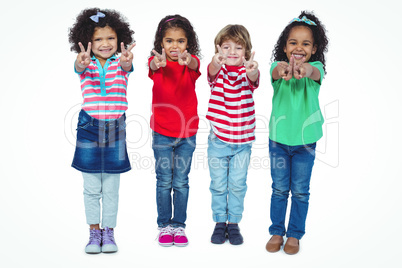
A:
x,y
101,145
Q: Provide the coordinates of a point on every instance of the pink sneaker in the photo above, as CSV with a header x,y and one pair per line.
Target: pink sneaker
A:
x,y
166,236
180,238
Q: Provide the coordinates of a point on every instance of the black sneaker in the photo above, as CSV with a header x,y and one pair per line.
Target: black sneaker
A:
x,y
219,234
235,237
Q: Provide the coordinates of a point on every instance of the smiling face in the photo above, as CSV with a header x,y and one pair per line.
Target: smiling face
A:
x,y
173,42
234,51
300,44
104,43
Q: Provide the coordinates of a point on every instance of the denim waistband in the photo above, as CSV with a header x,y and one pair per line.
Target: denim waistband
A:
x,y
102,123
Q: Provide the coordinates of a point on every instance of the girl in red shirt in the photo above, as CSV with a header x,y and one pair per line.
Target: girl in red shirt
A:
x,y
174,121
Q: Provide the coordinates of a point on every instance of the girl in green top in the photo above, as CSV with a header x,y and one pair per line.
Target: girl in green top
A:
x,y
295,125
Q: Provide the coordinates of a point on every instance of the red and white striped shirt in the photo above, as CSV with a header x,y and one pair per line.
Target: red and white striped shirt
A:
x,y
231,106
104,89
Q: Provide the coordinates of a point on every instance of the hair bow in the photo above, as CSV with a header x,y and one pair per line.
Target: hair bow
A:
x,y
96,17
305,20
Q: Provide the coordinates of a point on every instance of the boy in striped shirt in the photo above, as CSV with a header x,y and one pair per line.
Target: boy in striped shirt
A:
x,y
233,76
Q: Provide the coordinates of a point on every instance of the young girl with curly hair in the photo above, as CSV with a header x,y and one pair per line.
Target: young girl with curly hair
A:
x,y
295,125
174,121
101,154
233,76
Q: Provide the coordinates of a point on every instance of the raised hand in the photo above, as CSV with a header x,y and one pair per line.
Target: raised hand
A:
x,y
126,58
84,57
285,70
184,58
251,68
159,60
300,70
251,65
220,57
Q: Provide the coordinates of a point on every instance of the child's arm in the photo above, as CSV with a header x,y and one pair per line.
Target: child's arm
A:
x,y
158,61
216,63
251,68
83,58
126,59
185,58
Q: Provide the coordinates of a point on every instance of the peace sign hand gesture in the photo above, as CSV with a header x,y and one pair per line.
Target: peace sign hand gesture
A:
x,y
285,70
251,67
83,58
126,58
300,70
184,58
220,57
159,60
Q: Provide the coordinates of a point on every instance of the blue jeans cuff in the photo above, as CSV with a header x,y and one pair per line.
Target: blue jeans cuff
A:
x,y
297,236
234,219
277,233
220,218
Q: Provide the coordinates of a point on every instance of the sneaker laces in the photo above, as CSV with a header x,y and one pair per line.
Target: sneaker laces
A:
x,y
168,230
108,235
94,237
179,231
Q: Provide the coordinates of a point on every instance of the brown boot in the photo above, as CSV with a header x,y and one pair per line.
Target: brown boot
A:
x,y
292,246
274,244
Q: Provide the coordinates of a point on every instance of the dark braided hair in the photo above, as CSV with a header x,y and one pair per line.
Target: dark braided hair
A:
x,y
319,36
177,21
84,28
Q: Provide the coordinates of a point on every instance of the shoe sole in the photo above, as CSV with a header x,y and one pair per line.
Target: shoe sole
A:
x,y
165,245
180,244
237,244
109,249
218,243
93,250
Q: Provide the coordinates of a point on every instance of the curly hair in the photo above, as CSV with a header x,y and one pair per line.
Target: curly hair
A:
x,y
84,28
236,33
319,36
177,21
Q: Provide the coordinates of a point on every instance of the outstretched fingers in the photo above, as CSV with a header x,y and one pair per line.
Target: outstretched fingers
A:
x,y
222,56
123,49
252,56
131,46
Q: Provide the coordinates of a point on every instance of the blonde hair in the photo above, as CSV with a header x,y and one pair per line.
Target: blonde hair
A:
x,y
238,34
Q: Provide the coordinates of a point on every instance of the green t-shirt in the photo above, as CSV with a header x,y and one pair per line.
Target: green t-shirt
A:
x,y
296,117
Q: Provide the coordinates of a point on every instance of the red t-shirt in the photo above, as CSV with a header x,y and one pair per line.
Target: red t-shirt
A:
x,y
174,102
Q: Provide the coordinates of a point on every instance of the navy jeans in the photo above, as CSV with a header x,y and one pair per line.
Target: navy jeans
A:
x,y
172,165
291,168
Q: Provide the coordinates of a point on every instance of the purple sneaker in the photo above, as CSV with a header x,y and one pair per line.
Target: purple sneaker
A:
x,y
165,237
108,243
94,244
180,238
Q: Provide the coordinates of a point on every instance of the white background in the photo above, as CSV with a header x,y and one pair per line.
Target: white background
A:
x,y
355,206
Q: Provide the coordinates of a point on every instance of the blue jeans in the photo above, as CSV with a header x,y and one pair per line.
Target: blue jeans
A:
x,y
291,168
101,186
228,165
172,165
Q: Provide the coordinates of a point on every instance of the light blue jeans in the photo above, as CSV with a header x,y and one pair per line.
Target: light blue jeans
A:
x,y
228,166
103,186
